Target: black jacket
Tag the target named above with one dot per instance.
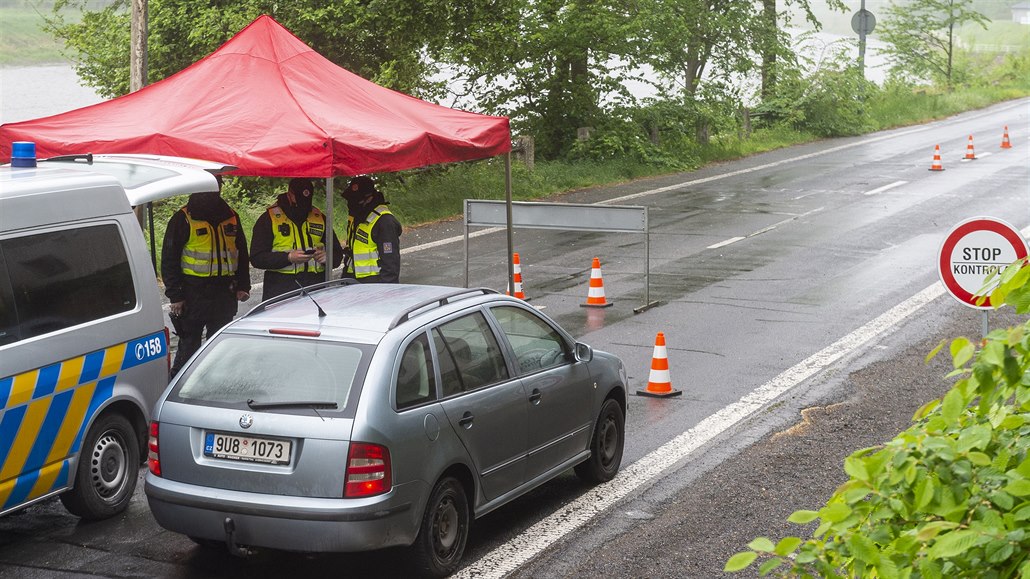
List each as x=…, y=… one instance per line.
x=262, y=256
x=205, y=297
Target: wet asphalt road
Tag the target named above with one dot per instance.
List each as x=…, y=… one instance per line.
x=818, y=256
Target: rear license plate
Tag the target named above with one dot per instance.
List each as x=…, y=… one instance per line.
x=247, y=449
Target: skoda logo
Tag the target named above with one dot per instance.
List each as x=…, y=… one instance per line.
x=246, y=421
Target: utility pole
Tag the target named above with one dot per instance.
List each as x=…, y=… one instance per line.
x=137, y=80
x=138, y=46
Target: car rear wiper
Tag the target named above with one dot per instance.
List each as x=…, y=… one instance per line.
x=314, y=404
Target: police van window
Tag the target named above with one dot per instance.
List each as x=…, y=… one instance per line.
x=69, y=277
x=8, y=319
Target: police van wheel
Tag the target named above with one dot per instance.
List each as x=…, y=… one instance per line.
x=108, y=468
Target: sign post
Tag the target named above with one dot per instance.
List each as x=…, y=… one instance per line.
x=974, y=250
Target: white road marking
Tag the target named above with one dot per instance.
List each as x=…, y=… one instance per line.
x=764, y=229
x=886, y=187
x=516, y=552
x=982, y=155
x=725, y=243
x=508, y=557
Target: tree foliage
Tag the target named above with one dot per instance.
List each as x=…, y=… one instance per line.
x=921, y=37
x=553, y=66
x=948, y=497
x=385, y=40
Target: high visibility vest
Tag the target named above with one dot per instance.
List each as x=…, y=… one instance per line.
x=210, y=252
x=287, y=236
x=366, y=253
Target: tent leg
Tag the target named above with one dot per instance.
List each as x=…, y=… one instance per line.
x=511, y=243
x=329, y=228
x=466, y=243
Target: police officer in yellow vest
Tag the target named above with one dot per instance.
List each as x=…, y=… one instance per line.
x=373, y=234
x=289, y=240
x=205, y=270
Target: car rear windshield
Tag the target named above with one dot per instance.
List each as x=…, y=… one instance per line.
x=237, y=369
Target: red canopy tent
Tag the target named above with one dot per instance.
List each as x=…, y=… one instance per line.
x=268, y=104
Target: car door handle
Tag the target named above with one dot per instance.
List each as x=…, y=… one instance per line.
x=535, y=396
x=466, y=420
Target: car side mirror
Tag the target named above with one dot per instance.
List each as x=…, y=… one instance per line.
x=584, y=353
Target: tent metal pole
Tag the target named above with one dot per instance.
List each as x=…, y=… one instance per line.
x=466, y=243
x=329, y=228
x=511, y=243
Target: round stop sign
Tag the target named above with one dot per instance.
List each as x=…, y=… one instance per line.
x=972, y=251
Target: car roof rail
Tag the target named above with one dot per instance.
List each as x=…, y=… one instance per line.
x=299, y=291
x=456, y=295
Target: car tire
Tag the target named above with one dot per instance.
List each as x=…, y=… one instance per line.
x=605, y=445
x=107, y=470
x=444, y=531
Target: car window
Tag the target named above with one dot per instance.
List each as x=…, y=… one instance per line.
x=65, y=278
x=235, y=369
x=537, y=345
x=8, y=317
x=468, y=353
x=416, y=380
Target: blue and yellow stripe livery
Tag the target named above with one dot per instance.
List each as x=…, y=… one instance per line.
x=44, y=414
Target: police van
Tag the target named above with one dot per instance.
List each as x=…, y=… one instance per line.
x=83, y=342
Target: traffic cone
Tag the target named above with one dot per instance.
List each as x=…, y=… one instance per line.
x=517, y=277
x=970, y=155
x=659, y=384
x=595, y=295
x=937, y=166
x=1005, y=144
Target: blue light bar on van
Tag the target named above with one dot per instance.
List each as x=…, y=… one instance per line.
x=23, y=154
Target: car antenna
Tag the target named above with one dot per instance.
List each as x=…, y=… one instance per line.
x=321, y=312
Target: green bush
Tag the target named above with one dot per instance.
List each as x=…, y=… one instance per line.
x=948, y=497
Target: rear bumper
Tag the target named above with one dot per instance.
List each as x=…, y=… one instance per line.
x=286, y=523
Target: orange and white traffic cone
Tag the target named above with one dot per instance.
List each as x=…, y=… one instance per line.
x=970, y=155
x=936, y=165
x=1005, y=143
x=517, y=277
x=659, y=382
x=595, y=295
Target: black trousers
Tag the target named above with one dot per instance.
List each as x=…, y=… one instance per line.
x=191, y=334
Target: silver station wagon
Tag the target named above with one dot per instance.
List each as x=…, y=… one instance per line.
x=350, y=417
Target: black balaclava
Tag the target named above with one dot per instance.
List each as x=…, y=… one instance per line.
x=362, y=197
x=208, y=207
x=303, y=190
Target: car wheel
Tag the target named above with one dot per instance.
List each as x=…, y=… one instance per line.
x=108, y=467
x=605, y=446
x=444, y=531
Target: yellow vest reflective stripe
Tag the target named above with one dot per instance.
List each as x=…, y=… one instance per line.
x=210, y=253
x=366, y=253
x=287, y=236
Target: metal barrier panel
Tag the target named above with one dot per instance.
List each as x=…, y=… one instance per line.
x=562, y=216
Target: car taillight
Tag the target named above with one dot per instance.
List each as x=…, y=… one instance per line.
x=368, y=470
x=154, y=456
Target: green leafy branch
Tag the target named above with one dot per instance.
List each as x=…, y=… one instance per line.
x=949, y=496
